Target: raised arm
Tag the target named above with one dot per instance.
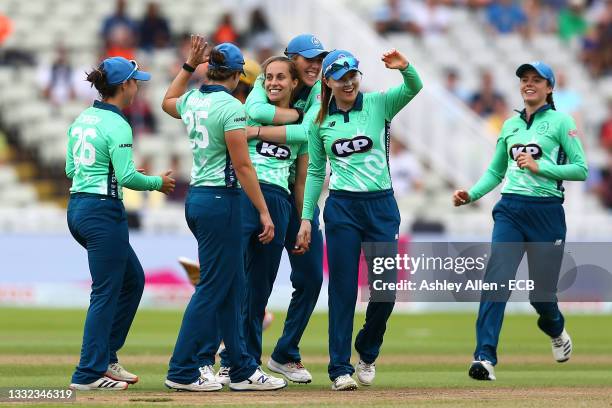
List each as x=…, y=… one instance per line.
x=197, y=55
x=398, y=97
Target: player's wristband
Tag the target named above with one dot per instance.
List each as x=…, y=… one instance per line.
x=300, y=115
x=188, y=67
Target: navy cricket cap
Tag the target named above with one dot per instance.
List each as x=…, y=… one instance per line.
x=339, y=62
x=234, y=60
x=118, y=70
x=541, y=68
x=306, y=45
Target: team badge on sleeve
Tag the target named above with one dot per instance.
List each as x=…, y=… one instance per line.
x=573, y=133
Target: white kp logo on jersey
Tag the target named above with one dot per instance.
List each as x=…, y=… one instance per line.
x=347, y=147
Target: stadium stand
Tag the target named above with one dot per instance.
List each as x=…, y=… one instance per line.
x=451, y=142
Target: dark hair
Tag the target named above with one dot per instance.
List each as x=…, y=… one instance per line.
x=97, y=77
x=550, y=101
x=218, y=74
x=326, y=94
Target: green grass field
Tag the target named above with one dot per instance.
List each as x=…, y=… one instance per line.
x=423, y=362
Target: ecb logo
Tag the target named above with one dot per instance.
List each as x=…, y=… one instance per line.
x=271, y=150
x=316, y=41
x=533, y=149
x=347, y=147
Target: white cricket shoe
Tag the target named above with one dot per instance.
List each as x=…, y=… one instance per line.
x=208, y=373
x=259, y=381
x=482, y=370
x=200, y=385
x=222, y=375
x=116, y=372
x=562, y=347
x=293, y=371
x=365, y=372
x=101, y=384
x=344, y=383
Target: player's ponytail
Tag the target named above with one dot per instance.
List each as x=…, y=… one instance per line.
x=326, y=94
x=97, y=78
x=218, y=73
x=550, y=101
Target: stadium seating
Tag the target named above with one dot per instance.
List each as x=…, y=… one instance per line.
x=456, y=145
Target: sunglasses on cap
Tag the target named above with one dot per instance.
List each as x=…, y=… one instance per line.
x=345, y=63
x=128, y=75
x=133, y=70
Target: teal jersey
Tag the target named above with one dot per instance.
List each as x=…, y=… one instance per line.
x=293, y=169
x=261, y=112
x=552, y=139
x=273, y=161
x=260, y=109
x=208, y=113
x=99, y=154
x=356, y=142
x=308, y=99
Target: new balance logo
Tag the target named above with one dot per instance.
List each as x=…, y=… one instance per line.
x=332, y=123
x=348, y=147
x=271, y=150
x=262, y=379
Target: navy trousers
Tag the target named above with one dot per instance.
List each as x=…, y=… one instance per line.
x=350, y=220
x=261, y=263
x=540, y=223
x=99, y=224
x=306, y=279
x=214, y=217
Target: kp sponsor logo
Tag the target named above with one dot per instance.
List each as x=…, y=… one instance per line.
x=271, y=150
x=533, y=149
x=348, y=147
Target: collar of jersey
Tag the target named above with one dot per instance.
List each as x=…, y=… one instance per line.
x=109, y=107
x=523, y=114
x=303, y=94
x=357, y=106
x=214, y=88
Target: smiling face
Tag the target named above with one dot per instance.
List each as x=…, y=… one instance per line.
x=309, y=69
x=534, y=88
x=279, y=83
x=345, y=89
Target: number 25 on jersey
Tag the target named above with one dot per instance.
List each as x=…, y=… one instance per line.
x=196, y=128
